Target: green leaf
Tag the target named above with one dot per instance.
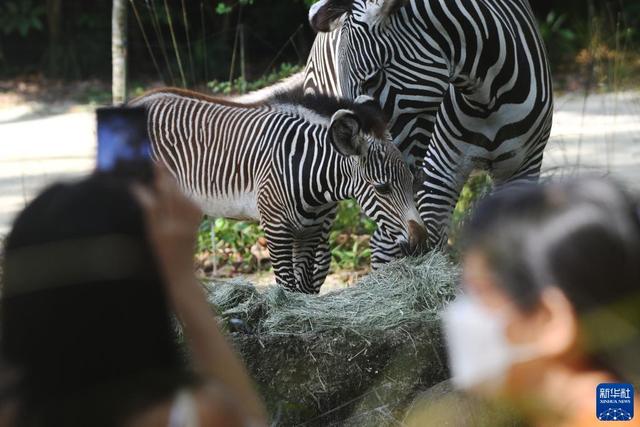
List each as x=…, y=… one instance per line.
x=36, y=24
x=222, y=8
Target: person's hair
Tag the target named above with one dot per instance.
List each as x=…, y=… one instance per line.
x=83, y=314
x=583, y=237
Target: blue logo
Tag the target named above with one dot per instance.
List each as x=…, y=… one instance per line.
x=614, y=402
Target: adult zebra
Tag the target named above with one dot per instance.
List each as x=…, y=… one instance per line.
x=286, y=166
x=465, y=83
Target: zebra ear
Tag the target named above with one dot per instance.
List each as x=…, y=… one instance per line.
x=344, y=131
x=380, y=11
x=324, y=16
x=419, y=178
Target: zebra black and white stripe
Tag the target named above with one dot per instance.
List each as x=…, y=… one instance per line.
x=466, y=85
x=287, y=167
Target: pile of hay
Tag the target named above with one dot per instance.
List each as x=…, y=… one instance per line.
x=351, y=357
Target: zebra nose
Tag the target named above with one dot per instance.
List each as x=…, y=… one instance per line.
x=417, y=239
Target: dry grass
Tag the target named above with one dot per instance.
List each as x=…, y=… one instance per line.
x=355, y=356
x=402, y=292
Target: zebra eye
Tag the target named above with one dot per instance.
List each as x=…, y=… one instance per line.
x=383, y=188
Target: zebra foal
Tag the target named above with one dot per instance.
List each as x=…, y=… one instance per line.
x=286, y=165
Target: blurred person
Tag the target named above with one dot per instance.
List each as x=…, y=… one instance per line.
x=90, y=273
x=550, y=306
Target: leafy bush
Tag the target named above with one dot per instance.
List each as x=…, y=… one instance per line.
x=478, y=186
x=240, y=247
x=596, y=47
x=349, y=238
x=21, y=17
x=239, y=85
x=232, y=246
x=224, y=8
x=559, y=38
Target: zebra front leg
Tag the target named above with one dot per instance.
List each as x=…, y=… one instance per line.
x=383, y=249
x=323, y=251
x=444, y=175
x=280, y=243
x=306, y=246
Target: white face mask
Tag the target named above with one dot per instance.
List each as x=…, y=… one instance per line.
x=479, y=353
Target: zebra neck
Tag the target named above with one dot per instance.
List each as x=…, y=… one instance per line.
x=341, y=178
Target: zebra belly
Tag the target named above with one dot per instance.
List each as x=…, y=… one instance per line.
x=241, y=207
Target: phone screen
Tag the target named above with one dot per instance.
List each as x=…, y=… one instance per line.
x=124, y=148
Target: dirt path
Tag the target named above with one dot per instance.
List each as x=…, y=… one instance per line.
x=41, y=144
x=599, y=134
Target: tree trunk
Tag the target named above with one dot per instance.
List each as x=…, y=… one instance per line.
x=55, y=56
x=119, y=51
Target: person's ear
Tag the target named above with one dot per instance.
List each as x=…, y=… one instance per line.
x=325, y=15
x=344, y=131
x=558, y=331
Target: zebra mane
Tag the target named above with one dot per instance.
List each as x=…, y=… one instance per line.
x=230, y=102
x=267, y=93
x=372, y=119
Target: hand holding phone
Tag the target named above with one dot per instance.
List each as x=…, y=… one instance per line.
x=124, y=149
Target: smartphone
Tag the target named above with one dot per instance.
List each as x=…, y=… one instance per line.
x=124, y=148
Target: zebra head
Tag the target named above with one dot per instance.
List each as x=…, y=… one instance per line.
x=364, y=45
x=382, y=183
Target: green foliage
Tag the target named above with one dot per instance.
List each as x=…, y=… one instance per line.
x=239, y=85
x=349, y=238
x=560, y=39
x=236, y=242
x=223, y=8
x=349, y=219
x=233, y=239
x=595, y=47
x=478, y=186
x=21, y=16
x=351, y=253
x=553, y=29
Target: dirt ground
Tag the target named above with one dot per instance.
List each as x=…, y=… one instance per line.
x=339, y=280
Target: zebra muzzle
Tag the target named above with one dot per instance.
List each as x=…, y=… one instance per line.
x=417, y=241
